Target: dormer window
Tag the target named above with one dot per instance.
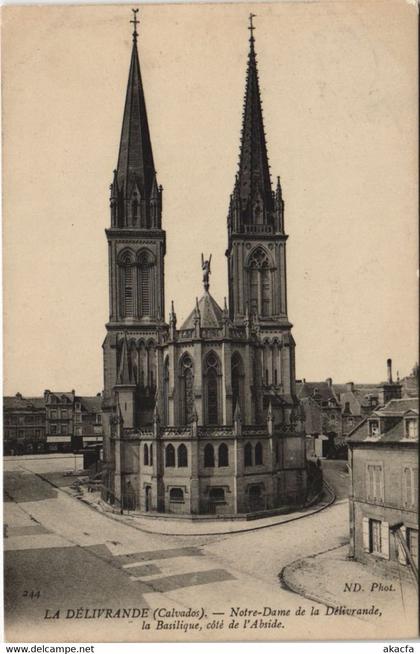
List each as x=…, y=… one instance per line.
x=374, y=428
x=411, y=430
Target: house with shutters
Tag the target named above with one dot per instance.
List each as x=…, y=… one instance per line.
x=383, y=459
x=199, y=417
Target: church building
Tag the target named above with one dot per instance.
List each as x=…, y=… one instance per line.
x=199, y=417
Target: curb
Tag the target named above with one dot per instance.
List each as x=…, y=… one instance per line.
x=218, y=533
x=123, y=520
x=291, y=587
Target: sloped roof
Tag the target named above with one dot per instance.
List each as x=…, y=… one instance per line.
x=399, y=407
x=13, y=403
x=323, y=390
x=211, y=315
x=393, y=431
x=92, y=404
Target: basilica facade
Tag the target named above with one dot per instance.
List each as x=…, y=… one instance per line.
x=199, y=417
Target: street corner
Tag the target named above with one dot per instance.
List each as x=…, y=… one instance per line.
x=350, y=588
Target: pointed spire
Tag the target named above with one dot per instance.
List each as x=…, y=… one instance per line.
x=124, y=371
x=225, y=307
x=172, y=314
x=197, y=309
x=135, y=159
x=254, y=183
x=237, y=415
x=172, y=321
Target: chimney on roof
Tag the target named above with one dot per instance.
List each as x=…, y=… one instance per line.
x=19, y=396
x=350, y=386
x=389, y=370
x=329, y=382
x=303, y=380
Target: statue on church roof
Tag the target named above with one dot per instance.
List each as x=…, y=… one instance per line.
x=205, y=265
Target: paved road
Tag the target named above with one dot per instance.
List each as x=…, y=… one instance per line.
x=62, y=556
x=337, y=475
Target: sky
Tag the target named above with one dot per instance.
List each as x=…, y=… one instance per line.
x=339, y=90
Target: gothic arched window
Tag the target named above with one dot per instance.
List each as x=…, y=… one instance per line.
x=258, y=454
x=209, y=456
x=182, y=456
x=170, y=456
x=145, y=455
x=248, y=455
x=145, y=274
x=223, y=455
x=126, y=282
x=211, y=376
x=186, y=390
x=237, y=373
x=151, y=454
x=259, y=274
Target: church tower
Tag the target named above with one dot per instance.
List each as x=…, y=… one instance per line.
x=136, y=250
x=257, y=245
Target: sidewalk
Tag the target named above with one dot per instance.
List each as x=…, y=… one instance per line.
x=165, y=526
x=323, y=578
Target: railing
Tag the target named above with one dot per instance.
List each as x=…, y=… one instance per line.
x=209, y=332
x=254, y=429
x=184, y=432
x=214, y=432
x=186, y=333
x=258, y=229
x=137, y=433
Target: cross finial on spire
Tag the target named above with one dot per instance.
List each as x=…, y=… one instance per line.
x=135, y=22
x=251, y=26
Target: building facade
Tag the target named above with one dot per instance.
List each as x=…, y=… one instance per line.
x=56, y=422
x=202, y=417
x=332, y=411
x=72, y=421
x=23, y=425
x=383, y=458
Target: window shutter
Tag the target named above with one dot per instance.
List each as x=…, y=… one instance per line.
x=402, y=558
x=381, y=484
x=404, y=487
x=365, y=527
x=385, y=539
x=415, y=486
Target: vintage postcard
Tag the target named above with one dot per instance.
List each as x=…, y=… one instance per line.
x=199, y=446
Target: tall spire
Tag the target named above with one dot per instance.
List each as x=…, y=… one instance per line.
x=135, y=159
x=253, y=183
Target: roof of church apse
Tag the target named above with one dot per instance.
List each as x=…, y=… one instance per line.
x=211, y=315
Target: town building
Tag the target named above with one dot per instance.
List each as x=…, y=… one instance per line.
x=72, y=421
x=23, y=425
x=56, y=422
x=202, y=417
x=383, y=459
x=331, y=411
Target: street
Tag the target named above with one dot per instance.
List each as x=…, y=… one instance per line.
x=64, y=560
